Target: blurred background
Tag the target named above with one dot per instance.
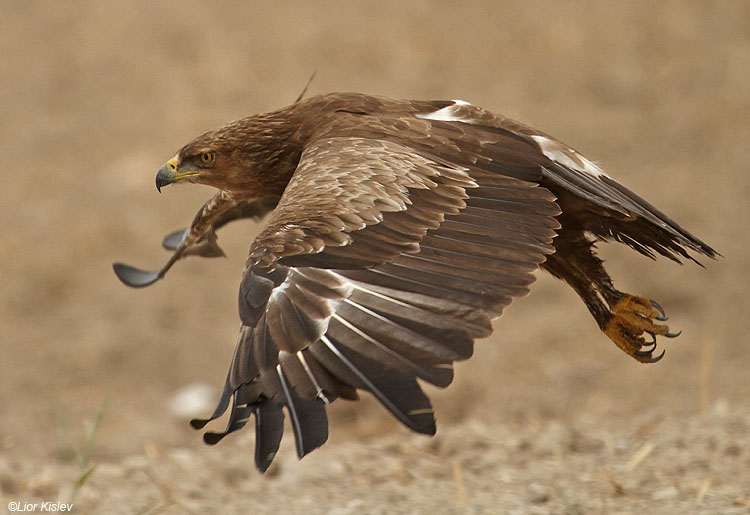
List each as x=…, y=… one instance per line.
x=95, y=96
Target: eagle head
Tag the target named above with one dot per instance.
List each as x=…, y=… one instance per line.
x=253, y=155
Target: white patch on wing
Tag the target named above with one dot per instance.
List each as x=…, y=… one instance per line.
x=566, y=156
x=447, y=114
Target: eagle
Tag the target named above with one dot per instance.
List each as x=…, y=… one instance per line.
x=397, y=231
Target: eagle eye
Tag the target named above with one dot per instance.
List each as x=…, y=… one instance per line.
x=207, y=158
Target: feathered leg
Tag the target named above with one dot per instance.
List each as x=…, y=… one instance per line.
x=624, y=318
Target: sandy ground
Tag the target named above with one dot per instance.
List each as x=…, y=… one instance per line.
x=548, y=417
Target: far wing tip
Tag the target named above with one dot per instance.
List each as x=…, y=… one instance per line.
x=135, y=277
x=173, y=240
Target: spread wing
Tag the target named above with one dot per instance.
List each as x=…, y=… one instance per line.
x=200, y=238
x=379, y=266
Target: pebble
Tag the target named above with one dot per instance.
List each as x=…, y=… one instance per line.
x=193, y=400
x=9, y=484
x=45, y=485
x=537, y=494
x=669, y=492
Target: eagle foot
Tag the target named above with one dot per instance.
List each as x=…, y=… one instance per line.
x=633, y=317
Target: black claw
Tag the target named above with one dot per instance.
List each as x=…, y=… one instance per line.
x=648, y=347
x=662, y=315
x=657, y=358
x=673, y=335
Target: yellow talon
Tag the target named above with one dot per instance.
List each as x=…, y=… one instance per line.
x=632, y=317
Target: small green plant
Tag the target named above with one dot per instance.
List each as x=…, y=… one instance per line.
x=83, y=453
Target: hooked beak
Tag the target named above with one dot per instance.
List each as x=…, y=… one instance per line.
x=168, y=174
x=164, y=177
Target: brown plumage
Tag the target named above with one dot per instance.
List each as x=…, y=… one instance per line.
x=398, y=231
